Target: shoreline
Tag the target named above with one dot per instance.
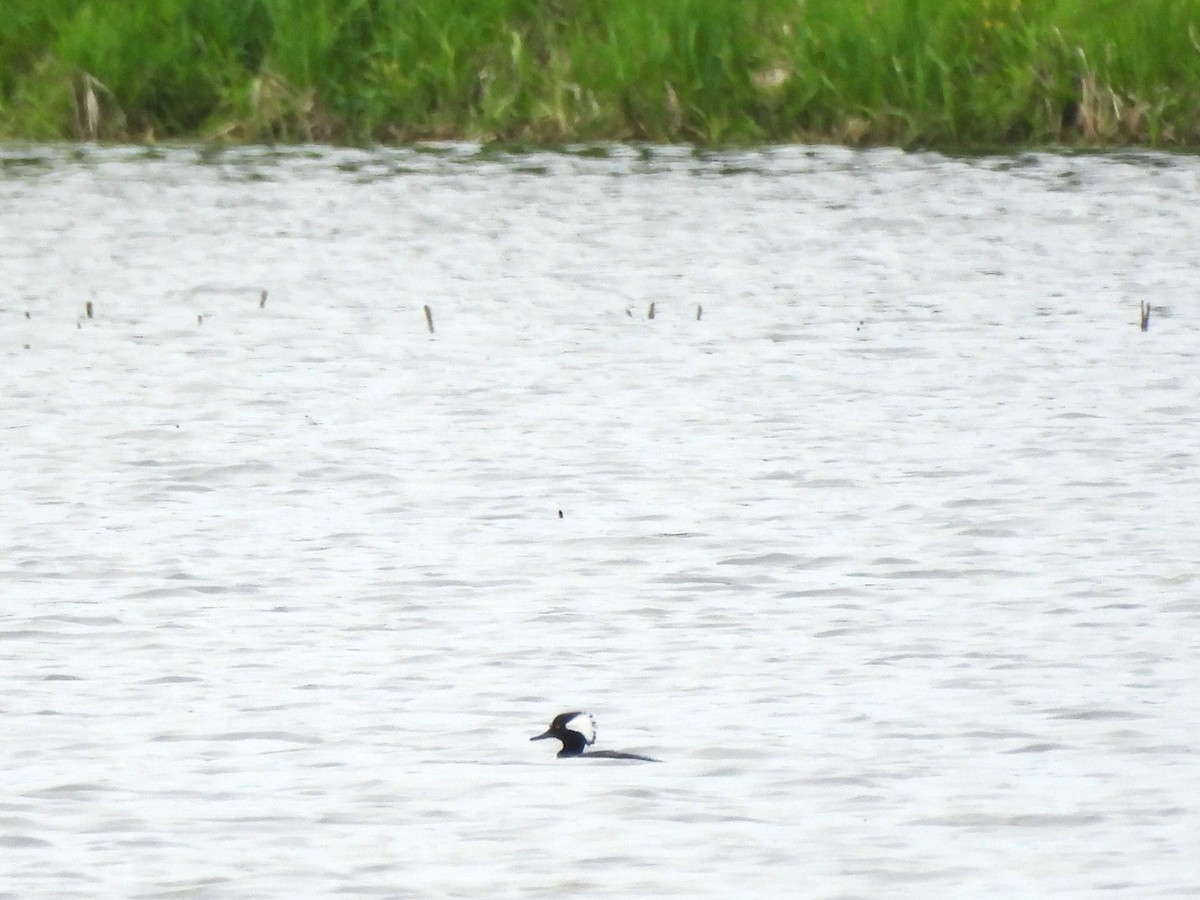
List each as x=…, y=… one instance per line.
x=949, y=75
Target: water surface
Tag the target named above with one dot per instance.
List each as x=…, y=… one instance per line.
x=881, y=532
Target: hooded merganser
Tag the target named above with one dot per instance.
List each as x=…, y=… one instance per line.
x=577, y=731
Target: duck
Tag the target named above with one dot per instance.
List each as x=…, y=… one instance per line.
x=577, y=731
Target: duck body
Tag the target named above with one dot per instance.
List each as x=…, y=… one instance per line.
x=577, y=731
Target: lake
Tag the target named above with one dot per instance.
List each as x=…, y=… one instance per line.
x=881, y=531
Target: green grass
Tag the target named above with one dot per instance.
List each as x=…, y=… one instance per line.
x=916, y=73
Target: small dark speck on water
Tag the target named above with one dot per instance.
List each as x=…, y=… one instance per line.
x=560, y=513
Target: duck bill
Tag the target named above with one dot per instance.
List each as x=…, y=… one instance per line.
x=542, y=737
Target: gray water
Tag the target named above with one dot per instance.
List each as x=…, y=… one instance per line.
x=890, y=553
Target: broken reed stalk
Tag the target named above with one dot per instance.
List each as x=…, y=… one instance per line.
x=1145, y=316
x=87, y=106
x=429, y=318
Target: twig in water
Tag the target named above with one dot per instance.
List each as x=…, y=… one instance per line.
x=429, y=318
x=1145, y=316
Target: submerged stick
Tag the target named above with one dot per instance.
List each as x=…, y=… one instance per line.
x=1145, y=316
x=429, y=318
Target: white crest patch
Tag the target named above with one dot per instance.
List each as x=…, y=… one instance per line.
x=585, y=725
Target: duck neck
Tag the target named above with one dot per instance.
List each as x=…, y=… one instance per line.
x=573, y=743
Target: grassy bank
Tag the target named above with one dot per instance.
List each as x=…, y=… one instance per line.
x=937, y=73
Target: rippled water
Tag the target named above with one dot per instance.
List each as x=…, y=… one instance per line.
x=891, y=554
